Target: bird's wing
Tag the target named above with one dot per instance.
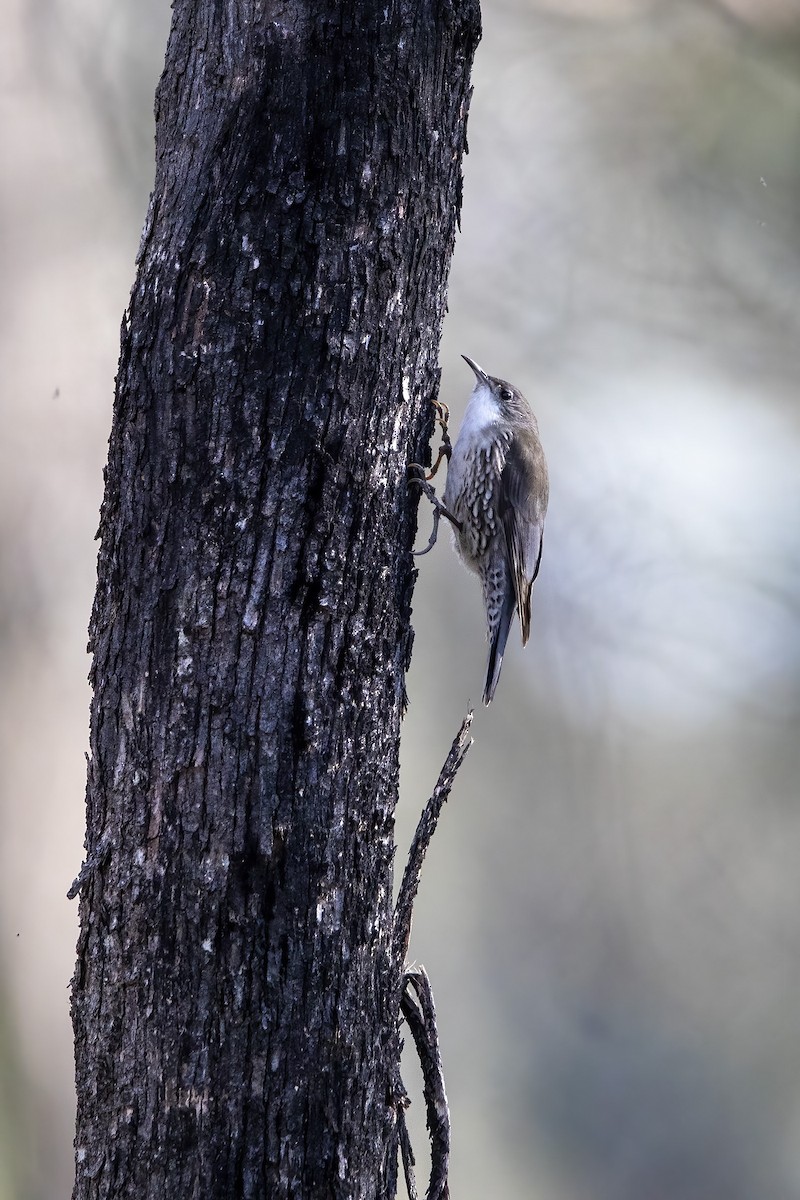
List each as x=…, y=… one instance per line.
x=522, y=505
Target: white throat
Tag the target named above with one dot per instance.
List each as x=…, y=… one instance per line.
x=483, y=411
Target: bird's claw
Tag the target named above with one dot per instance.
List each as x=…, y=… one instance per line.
x=446, y=448
x=417, y=475
x=442, y=414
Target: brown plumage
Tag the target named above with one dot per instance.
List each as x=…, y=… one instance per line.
x=497, y=488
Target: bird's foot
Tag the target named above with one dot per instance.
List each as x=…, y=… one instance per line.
x=446, y=448
x=417, y=475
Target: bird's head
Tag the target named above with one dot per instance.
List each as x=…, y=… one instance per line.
x=512, y=405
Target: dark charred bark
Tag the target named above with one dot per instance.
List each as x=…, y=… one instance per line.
x=236, y=996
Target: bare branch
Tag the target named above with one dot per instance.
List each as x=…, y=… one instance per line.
x=89, y=866
x=422, y=838
x=420, y=1014
x=407, y=1154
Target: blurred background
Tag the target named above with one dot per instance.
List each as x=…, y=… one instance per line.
x=610, y=912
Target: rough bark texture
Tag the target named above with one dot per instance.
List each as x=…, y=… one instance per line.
x=235, y=1000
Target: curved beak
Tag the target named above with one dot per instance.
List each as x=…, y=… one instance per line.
x=480, y=374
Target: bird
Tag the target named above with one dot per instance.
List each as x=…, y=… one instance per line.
x=496, y=497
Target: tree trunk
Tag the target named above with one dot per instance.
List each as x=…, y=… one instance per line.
x=235, y=1001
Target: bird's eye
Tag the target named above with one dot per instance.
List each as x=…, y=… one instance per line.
x=505, y=394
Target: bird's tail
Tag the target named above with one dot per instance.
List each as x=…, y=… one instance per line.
x=498, y=636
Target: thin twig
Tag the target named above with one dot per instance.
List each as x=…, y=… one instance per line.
x=420, y=1015
x=422, y=838
x=88, y=868
x=407, y=1154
